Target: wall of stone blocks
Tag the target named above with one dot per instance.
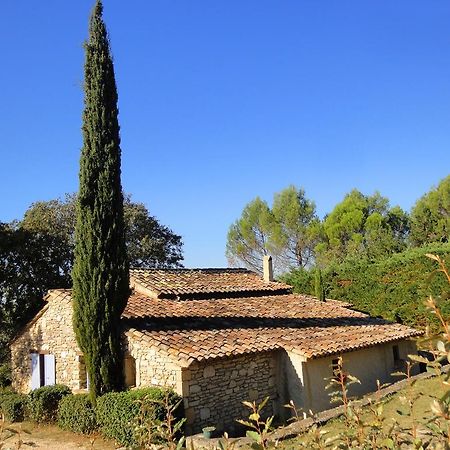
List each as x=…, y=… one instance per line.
x=51, y=333
x=214, y=390
x=153, y=366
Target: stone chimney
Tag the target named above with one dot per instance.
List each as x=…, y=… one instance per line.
x=267, y=268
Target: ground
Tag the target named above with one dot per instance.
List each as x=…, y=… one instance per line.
x=48, y=437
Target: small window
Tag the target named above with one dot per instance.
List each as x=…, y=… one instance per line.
x=130, y=371
x=396, y=353
x=42, y=370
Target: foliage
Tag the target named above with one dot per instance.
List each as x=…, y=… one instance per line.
x=430, y=216
x=362, y=226
x=288, y=231
x=152, y=427
x=76, y=413
x=117, y=412
x=5, y=375
x=249, y=237
x=319, y=290
x=149, y=243
x=100, y=272
x=392, y=287
x=30, y=263
x=258, y=427
x=295, y=228
x=13, y=406
x=44, y=402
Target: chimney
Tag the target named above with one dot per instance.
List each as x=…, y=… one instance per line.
x=267, y=268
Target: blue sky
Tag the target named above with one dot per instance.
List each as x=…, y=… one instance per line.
x=221, y=101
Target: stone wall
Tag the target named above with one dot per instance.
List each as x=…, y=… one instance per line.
x=153, y=366
x=50, y=333
x=214, y=390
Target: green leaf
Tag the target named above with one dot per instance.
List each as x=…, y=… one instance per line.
x=254, y=436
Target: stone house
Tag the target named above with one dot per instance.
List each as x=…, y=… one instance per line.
x=218, y=337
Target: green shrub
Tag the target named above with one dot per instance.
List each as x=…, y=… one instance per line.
x=44, y=402
x=5, y=375
x=14, y=406
x=5, y=392
x=392, y=287
x=117, y=412
x=76, y=413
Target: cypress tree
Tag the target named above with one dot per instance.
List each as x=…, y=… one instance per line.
x=318, y=285
x=100, y=273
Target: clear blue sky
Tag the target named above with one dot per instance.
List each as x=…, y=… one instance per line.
x=221, y=101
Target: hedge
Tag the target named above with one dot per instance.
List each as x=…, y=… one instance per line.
x=5, y=375
x=44, y=401
x=13, y=406
x=76, y=413
x=118, y=412
x=394, y=288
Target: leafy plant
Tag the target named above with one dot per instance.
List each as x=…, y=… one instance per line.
x=118, y=412
x=14, y=406
x=259, y=428
x=76, y=413
x=153, y=428
x=44, y=402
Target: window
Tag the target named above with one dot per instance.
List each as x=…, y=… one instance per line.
x=398, y=362
x=130, y=371
x=42, y=370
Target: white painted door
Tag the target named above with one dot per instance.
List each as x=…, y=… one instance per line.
x=49, y=370
x=35, y=371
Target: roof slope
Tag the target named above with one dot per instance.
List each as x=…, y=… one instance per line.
x=183, y=284
x=204, y=329
x=233, y=311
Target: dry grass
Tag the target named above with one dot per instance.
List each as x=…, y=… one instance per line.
x=27, y=435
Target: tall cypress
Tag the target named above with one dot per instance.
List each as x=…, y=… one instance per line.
x=318, y=285
x=100, y=273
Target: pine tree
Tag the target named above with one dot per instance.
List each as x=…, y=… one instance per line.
x=318, y=285
x=100, y=273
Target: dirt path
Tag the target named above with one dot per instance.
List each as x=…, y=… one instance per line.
x=28, y=436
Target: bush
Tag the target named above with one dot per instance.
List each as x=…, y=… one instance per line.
x=76, y=413
x=44, y=402
x=13, y=406
x=117, y=412
x=392, y=287
x=5, y=375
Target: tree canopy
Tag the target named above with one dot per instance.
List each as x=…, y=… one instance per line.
x=362, y=226
x=149, y=243
x=100, y=271
x=287, y=231
x=430, y=216
x=249, y=238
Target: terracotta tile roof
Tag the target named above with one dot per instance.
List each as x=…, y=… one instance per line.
x=197, y=330
x=204, y=329
x=201, y=283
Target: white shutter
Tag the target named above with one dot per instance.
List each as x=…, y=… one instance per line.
x=49, y=370
x=35, y=372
